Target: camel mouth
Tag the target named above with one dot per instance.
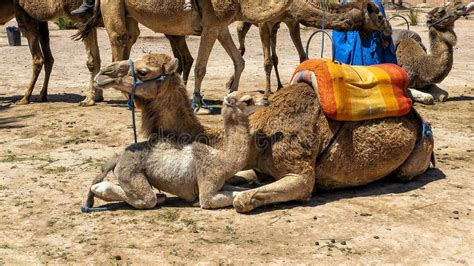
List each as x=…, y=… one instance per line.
x=103, y=81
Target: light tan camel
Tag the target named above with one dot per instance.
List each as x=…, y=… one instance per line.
x=424, y=69
x=175, y=164
x=292, y=140
x=210, y=20
x=6, y=11
x=357, y=15
x=32, y=17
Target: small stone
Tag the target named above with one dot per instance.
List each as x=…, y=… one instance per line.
x=315, y=218
x=333, y=241
x=365, y=214
x=376, y=237
x=456, y=212
x=343, y=243
x=117, y=257
x=316, y=243
x=456, y=218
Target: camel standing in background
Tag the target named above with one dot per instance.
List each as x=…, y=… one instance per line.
x=292, y=140
x=209, y=19
x=32, y=17
x=359, y=15
x=424, y=69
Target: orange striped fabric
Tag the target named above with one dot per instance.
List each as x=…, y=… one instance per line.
x=356, y=93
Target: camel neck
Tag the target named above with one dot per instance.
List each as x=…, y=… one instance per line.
x=170, y=112
x=441, y=53
x=236, y=142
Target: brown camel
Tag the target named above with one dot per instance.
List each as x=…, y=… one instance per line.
x=210, y=20
x=6, y=11
x=32, y=17
x=292, y=140
x=424, y=69
x=188, y=169
x=358, y=15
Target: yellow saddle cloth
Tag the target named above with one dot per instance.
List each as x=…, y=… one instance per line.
x=355, y=93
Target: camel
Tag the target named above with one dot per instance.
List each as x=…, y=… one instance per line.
x=32, y=18
x=292, y=140
x=424, y=69
x=210, y=20
x=358, y=15
x=174, y=164
x=6, y=11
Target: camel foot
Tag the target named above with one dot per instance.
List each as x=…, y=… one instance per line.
x=87, y=102
x=42, y=99
x=99, y=99
x=22, y=101
x=243, y=202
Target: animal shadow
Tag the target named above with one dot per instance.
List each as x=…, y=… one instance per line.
x=386, y=185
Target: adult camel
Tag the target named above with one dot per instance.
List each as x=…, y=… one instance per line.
x=293, y=141
x=359, y=15
x=209, y=19
x=32, y=17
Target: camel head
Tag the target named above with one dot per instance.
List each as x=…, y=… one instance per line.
x=245, y=103
x=152, y=70
x=373, y=19
x=443, y=18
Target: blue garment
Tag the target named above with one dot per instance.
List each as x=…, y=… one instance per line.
x=355, y=48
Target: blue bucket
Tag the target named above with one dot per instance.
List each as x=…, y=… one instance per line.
x=14, y=36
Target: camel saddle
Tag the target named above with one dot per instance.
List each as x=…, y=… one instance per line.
x=356, y=93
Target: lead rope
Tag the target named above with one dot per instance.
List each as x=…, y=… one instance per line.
x=131, y=99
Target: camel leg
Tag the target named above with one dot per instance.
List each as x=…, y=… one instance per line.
x=275, y=60
x=265, y=36
x=295, y=34
x=30, y=30
x=181, y=51
x=242, y=30
x=108, y=192
x=288, y=188
x=93, y=64
x=438, y=94
x=418, y=162
x=243, y=177
x=48, y=59
x=133, y=34
x=138, y=191
x=208, y=39
x=116, y=26
x=421, y=97
x=211, y=198
x=226, y=41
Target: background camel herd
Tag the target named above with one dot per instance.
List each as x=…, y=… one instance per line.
x=117, y=133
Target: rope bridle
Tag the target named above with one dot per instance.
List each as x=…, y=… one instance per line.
x=458, y=12
x=136, y=82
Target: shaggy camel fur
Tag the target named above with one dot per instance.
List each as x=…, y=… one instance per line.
x=6, y=11
x=210, y=20
x=358, y=15
x=425, y=70
x=174, y=163
x=293, y=141
x=33, y=17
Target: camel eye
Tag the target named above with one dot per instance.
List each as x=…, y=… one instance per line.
x=248, y=102
x=142, y=72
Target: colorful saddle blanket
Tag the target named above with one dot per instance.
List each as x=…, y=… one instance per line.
x=356, y=93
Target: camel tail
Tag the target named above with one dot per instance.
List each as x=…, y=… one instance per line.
x=86, y=28
x=106, y=169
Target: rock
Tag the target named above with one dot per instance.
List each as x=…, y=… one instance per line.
x=376, y=237
x=117, y=257
x=343, y=243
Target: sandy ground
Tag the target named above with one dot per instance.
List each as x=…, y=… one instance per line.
x=50, y=152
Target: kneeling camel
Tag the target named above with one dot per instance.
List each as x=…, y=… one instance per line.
x=292, y=140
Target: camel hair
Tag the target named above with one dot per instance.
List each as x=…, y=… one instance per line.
x=357, y=15
x=6, y=11
x=210, y=20
x=425, y=69
x=174, y=163
x=292, y=140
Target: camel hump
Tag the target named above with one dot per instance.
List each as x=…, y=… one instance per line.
x=256, y=11
x=223, y=7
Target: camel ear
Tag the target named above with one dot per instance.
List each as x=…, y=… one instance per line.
x=171, y=66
